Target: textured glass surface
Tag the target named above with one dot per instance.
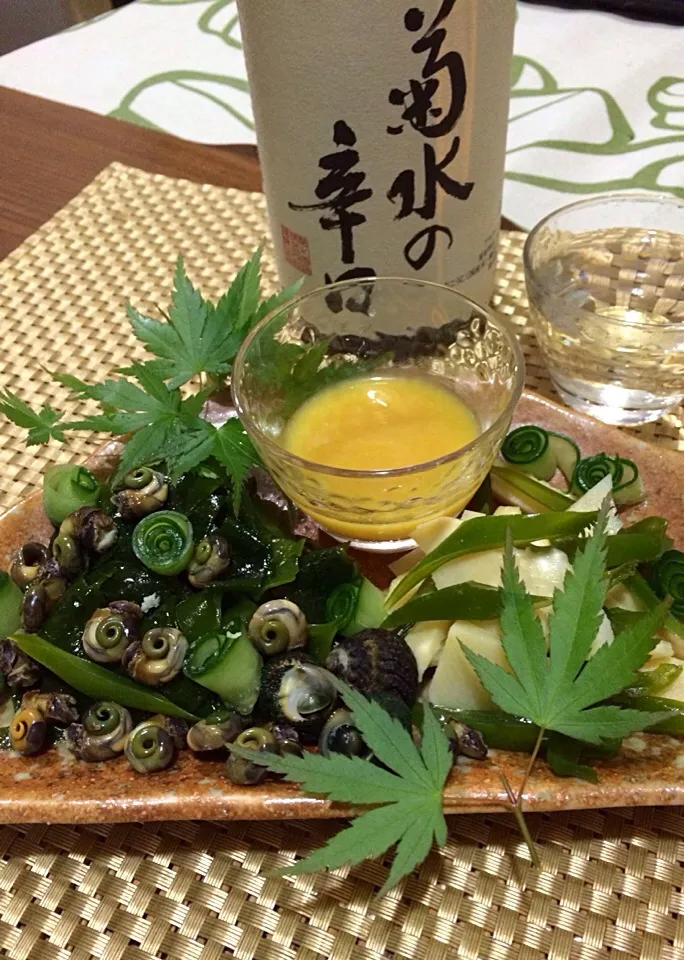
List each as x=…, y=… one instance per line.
x=379, y=327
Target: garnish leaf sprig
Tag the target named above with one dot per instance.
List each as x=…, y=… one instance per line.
x=406, y=791
x=196, y=341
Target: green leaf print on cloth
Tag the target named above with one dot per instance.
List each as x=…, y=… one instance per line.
x=620, y=161
x=221, y=20
x=666, y=99
x=211, y=88
x=147, y=103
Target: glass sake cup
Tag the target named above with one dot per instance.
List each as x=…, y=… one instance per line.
x=382, y=326
x=605, y=279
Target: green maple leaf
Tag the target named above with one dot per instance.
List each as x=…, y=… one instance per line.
x=41, y=425
x=300, y=370
x=127, y=406
x=198, y=337
x=165, y=428
x=241, y=308
x=563, y=689
x=310, y=374
x=188, y=443
x=179, y=341
x=406, y=791
x=233, y=448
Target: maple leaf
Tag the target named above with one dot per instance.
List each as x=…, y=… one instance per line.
x=407, y=789
x=564, y=689
x=145, y=405
x=41, y=425
x=233, y=448
x=199, y=337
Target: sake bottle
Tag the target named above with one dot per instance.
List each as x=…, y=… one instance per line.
x=381, y=128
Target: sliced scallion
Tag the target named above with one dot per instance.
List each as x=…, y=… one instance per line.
x=517, y=489
x=489, y=533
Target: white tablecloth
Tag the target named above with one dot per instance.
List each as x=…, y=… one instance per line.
x=597, y=100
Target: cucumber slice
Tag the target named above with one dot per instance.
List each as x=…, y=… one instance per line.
x=591, y=471
x=527, y=448
x=631, y=489
x=566, y=454
x=370, y=609
x=227, y=664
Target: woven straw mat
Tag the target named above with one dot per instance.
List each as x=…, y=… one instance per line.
x=611, y=883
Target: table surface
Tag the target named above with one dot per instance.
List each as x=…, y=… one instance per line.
x=51, y=151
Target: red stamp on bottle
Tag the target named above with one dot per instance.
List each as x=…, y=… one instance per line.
x=296, y=249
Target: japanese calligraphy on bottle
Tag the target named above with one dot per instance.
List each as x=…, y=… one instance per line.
x=381, y=128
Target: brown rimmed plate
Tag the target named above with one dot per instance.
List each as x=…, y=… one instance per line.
x=56, y=788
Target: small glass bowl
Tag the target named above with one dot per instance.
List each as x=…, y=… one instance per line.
x=391, y=325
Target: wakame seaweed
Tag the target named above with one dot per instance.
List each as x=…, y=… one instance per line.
x=320, y=572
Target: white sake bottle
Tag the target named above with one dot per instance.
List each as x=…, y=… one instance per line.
x=381, y=127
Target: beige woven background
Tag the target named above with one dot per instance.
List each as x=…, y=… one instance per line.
x=611, y=884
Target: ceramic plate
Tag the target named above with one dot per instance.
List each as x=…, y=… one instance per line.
x=56, y=788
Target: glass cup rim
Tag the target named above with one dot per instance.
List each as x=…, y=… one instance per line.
x=604, y=198
x=311, y=465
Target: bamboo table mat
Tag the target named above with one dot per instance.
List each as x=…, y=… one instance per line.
x=611, y=883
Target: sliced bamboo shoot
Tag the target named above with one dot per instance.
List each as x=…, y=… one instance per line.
x=455, y=684
x=426, y=641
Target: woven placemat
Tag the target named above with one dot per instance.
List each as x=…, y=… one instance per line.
x=611, y=884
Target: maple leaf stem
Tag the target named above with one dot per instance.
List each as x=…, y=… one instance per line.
x=507, y=787
x=517, y=801
x=526, y=835
x=530, y=765
x=515, y=807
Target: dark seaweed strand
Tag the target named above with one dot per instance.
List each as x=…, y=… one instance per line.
x=425, y=342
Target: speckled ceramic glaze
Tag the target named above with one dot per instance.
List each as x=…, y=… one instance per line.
x=56, y=788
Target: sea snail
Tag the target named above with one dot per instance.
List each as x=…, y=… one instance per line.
x=210, y=559
x=142, y=491
x=277, y=626
x=297, y=690
x=110, y=630
x=92, y=527
x=157, y=658
x=103, y=733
